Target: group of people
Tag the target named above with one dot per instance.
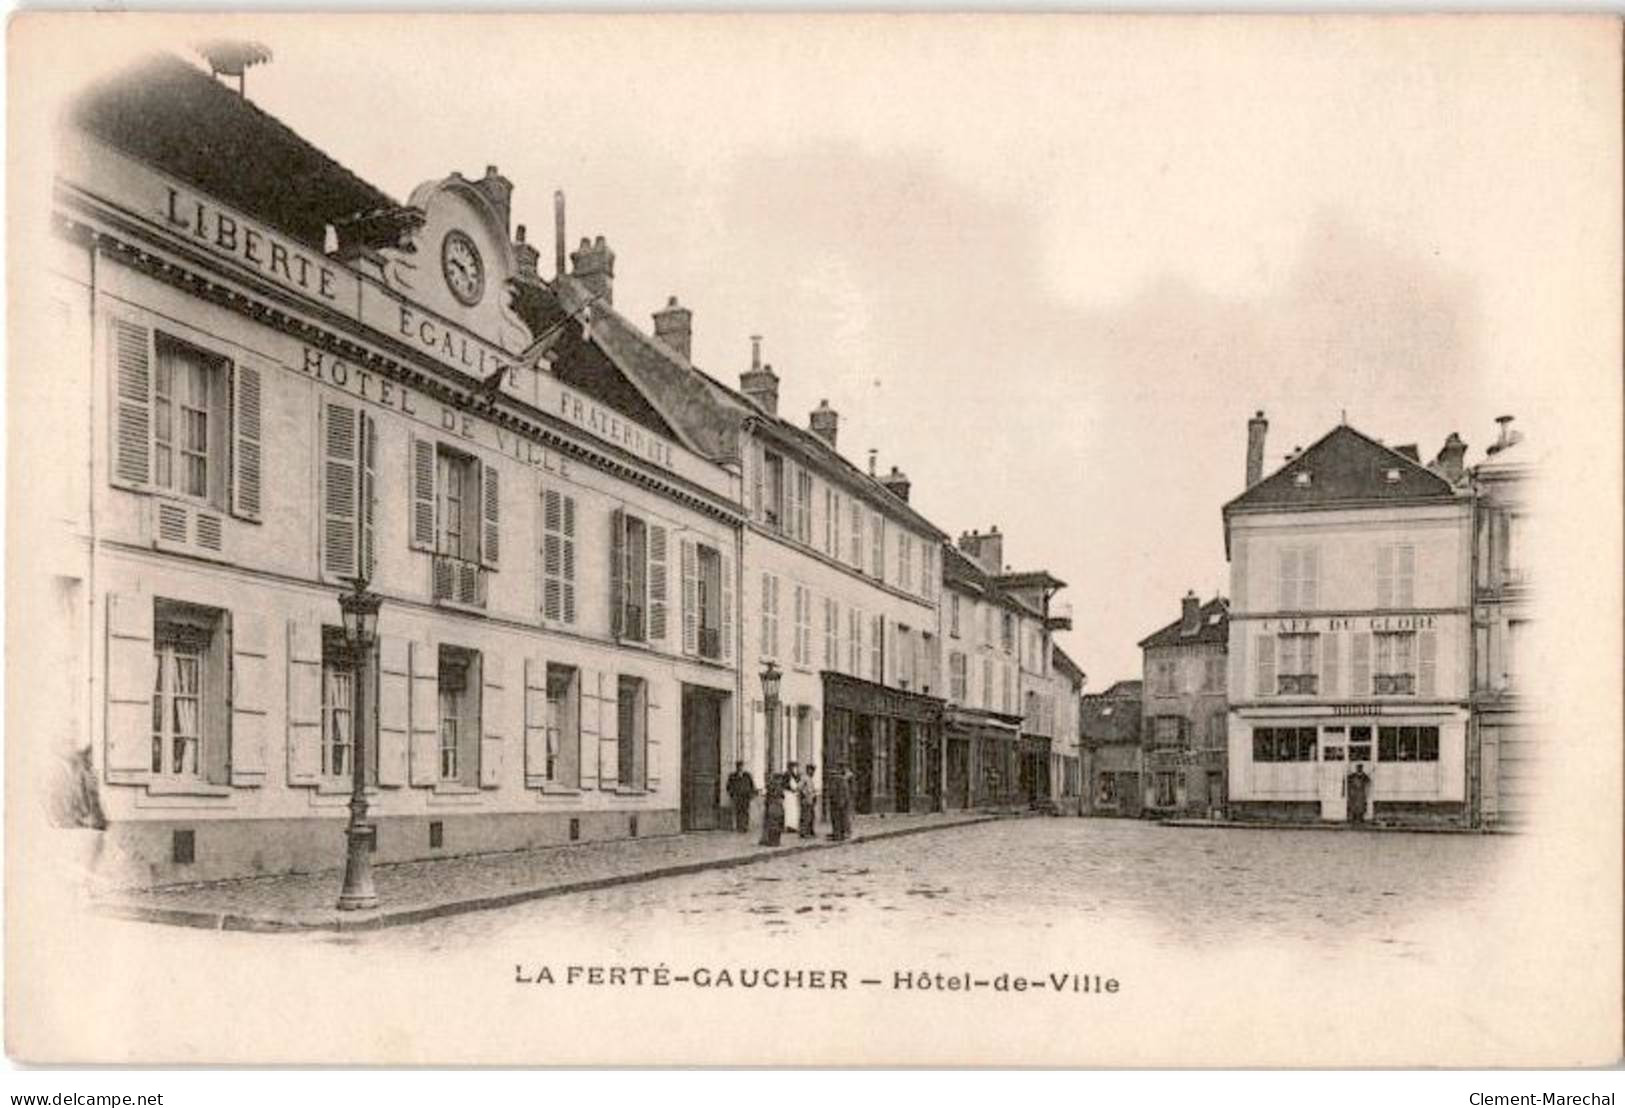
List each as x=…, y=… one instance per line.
x=800, y=786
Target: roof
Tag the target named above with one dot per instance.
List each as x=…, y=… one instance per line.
x=1111, y=716
x=1066, y=665
x=1130, y=689
x=179, y=119
x=961, y=571
x=1031, y=579
x=1212, y=628
x=1344, y=467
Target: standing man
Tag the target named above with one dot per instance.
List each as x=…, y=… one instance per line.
x=839, y=792
x=1359, y=790
x=809, y=804
x=773, y=810
x=741, y=788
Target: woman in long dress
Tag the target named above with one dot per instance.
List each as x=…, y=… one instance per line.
x=792, y=799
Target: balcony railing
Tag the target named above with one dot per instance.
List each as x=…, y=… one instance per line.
x=710, y=642
x=458, y=581
x=1297, y=684
x=1394, y=684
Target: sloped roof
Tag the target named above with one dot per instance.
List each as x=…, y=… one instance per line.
x=1212, y=627
x=179, y=119
x=1344, y=467
x=960, y=570
x=1112, y=716
x=1066, y=665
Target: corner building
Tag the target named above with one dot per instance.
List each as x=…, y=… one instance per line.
x=1350, y=634
x=290, y=379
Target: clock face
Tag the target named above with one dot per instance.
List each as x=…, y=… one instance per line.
x=465, y=272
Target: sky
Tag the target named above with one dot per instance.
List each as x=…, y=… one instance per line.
x=1047, y=266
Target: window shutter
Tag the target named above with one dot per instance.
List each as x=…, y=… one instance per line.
x=792, y=489
x=877, y=542
x=490, y=516
x=493, y=721
x=535, y=698
x=421, y=482
x=1309, y=578
x=765, y=645
x=1288, y=564
x=617, y=571
x=394, y=709
x=656, y=574
x=304, y=702
x=341, y=486
x=1266, y=665
x=758, y=467
x=245, y=445
x=609, y=733
x=1405, y=576
x=216, y=747
x=250, y=698
x=691, y=597
x=649, y=757
x=1385, y=576
x=369, y=494
x=857, y=535
x=1331, y=673
x=424, y=714
x=727, y=608
x=130, y=679
x=1427, y=646
x=132, y=407
x=586, y=749
x=569, y=564
x=552, y=555
x=1360, y=664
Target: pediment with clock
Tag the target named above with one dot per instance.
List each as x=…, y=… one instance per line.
x=456, y=258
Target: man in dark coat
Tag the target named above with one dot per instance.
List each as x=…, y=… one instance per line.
x=741, y=788
x=838, y=795
x=773, y=810
x=1359, y=790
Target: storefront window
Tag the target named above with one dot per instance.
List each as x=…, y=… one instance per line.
x=1407, y=744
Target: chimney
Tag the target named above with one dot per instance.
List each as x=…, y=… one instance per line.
x=674, y=326
x=760, y=383
x=1507, y=437
x=823, y=423
x=594, y=266
x=1448, y=463
x=1411, y=451
x=872, y=454
x=1256, y=427
x=986, y=550
x=558, y=233
x=499, y=190
x=1190, y=615
x=525, y=255
x=896, y=482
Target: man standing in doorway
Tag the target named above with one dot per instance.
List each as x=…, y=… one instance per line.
x=1359, y=790
x=741, y=788
x=809, y=804
x=839, y=792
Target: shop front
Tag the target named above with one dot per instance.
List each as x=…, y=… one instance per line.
x=983, y=759
x=891, y=741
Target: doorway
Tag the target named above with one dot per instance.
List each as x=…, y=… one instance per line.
x=863, y=765
x=958, y=793
x=701, y=771
x=902, y=767
x=1333, y=770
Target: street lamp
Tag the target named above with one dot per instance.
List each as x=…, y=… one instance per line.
x=770, y=697
x=360, y=609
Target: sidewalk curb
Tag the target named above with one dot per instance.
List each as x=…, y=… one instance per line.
x=377, y=921
x=1384, y=829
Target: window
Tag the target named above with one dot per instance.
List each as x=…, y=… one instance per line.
x=455, y=514
x=857, y=535
x=1165, y=789
x=1008, y=697
x=456, y=525
x=558, y=556
x=631, y=733
x=832, y=634
x=1213, y=675
x=563, y=725
x=349, y=490
x=1513, y=555
x=801, y=648
x=1407, y=744
x=338, y=704
x=1299, y=577
x=953, y=615
x=1396, y=575
x=1512, y=652
x=773, y=491
x=877, y=655
x=1283, y=744
x=703, y=599
x=177, y=704
x=770, y=616
x=878, y=547
x=1164, y=677
x=854, y=641
x=459, y=689
x=1216, y=731
x=1299, y=666
x=905, y=561
x=987, y=683
x=956, y=676
x=1396, y=663
x=1168, y=731
x=928, y=672
x=1007, y=632
x=903, y=657
x=928, y=570
x=803, y=505
x=1360, y=744
x=638, y=578
x=188, y=404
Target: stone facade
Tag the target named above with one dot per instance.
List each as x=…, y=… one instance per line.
x=1185, y=708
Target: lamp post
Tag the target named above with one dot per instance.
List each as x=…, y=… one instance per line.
x=360, y=609
x=770, y=699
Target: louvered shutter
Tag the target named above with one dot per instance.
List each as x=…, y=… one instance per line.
x=569, y=563
x=245, y=441
x=1405, y=576
x=552, y=555
x=691, y=596
x=791, y=491
x=1331, y=673
x=132, y=405
x=535, y=704
x=1309, y=578
x=341, y=488
x=578, y=750
x=727, y=608
x=609, y=725
x=656, y=573
x=1427, y=663
x=1385, y=576
x=758, y=467
x=304, y=702
x=1360, y=664
x=648, y=757
x=250, y=698
x=1288, y=563
x=131, y=674
x=424, y=714
x=394, y=709
x=1266, y=665
x=765, y=647
x=368, y=494
x=617, y=571
x=878, y=546
x=493, y=719
x=421, y=481
x=490, y=516
x=857, y=536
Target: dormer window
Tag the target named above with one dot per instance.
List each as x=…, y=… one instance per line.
x=1391, y=476
x=1302, y=478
